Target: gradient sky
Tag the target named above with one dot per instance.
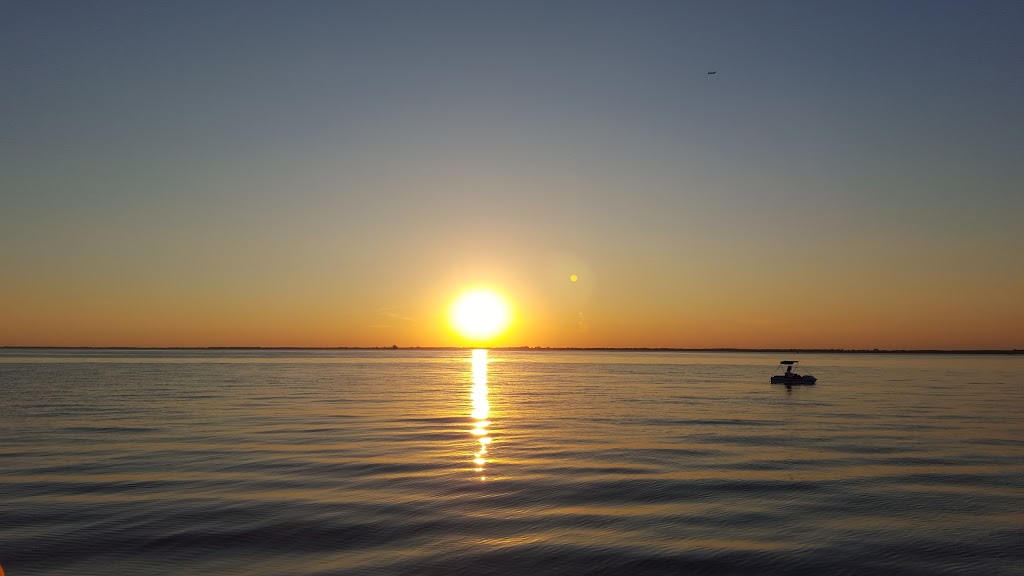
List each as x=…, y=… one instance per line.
x=334, y=173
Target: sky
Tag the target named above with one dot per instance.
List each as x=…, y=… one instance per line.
x=336, y=173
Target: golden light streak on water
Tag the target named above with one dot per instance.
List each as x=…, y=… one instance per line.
x=481, y=409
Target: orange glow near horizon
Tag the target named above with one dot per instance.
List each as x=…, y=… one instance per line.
x=631, y=310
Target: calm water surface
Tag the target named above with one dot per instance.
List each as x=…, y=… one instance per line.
x=529, y=462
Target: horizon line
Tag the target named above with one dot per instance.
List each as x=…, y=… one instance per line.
x=1013, y=351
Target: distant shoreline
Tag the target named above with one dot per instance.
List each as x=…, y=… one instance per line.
x=540, y=349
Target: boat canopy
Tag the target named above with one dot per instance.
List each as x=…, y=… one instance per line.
x=789, y=362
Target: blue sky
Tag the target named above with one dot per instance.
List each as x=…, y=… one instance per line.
x=175, y=170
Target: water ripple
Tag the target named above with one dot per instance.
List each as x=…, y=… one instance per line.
x=363, y=462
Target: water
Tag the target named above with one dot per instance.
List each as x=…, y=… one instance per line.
x=531, y=462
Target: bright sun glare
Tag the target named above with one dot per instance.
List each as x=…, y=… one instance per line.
x=480, y=315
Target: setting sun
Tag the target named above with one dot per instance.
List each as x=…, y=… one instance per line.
x=480, y=315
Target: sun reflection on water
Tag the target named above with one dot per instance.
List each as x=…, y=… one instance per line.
x=481, y=408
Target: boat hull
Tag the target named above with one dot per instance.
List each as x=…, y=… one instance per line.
x=803, y=380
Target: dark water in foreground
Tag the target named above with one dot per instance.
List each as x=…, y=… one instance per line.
x=395, y=462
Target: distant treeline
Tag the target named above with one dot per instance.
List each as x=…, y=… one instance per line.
x=534, y=348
